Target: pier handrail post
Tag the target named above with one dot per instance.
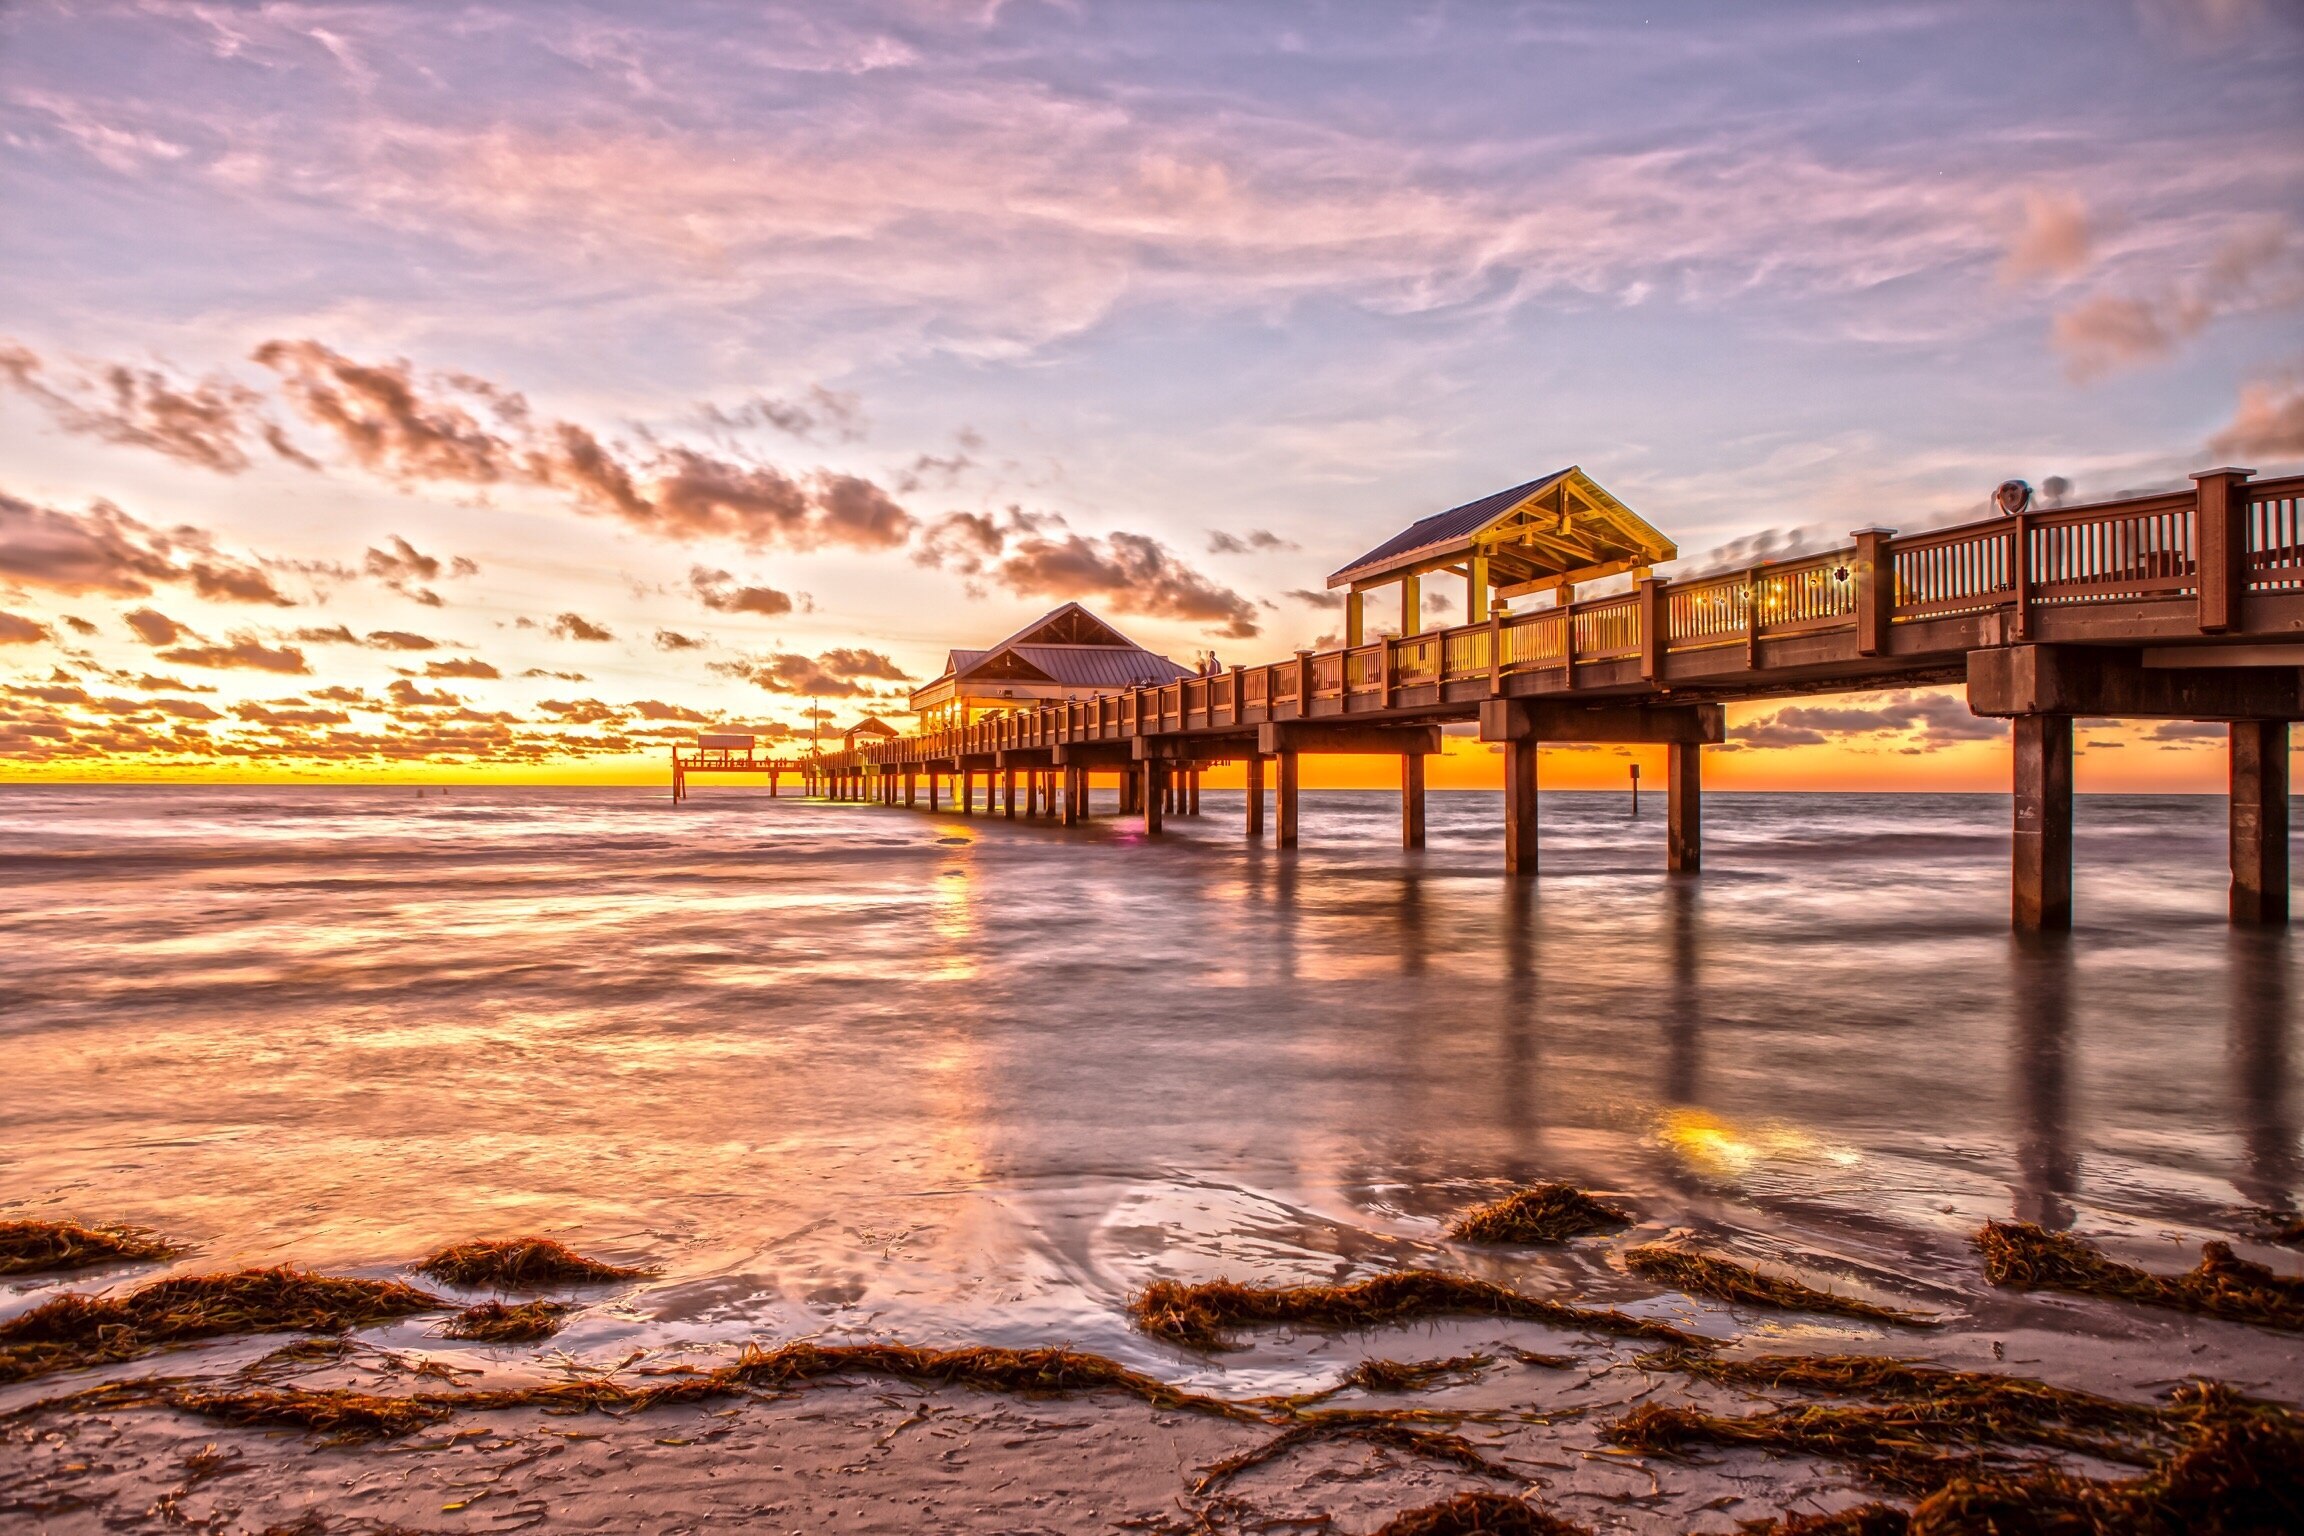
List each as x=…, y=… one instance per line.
x=1652, y=623
x=1875, y=590
x=2220, y=545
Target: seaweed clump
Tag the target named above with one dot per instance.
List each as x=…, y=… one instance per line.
x=1203, y=1315
x=2025, y=1257
x=520, y=1263
x=80, y=1330
x=1542, y=1213
x=1412, y=1375
x=1480, y=1514
x=29, y=1247
x=1707, y=1276
x=494, y=1322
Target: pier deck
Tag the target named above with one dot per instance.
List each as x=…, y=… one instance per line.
x=2185, y=606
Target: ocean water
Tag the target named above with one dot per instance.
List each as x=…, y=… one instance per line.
x=855, y=1071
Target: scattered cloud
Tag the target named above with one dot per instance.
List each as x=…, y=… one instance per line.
x=105, y=552
x=673, y=640
x=2256, y=270
x=211, y=423
x=2055, y=241
x=2269, y=423
x=1035, y=554
x=833, y=412
x=574, y=626
x=1312, y=598
x=405, y=693
x=15, y=629
x=154, y=628
x=1254, y=541
x=243, y=652
x=461, y=666
x=721, y=592
x=1926, y=721
x=404, y=569
x=836, y=674
x=460, y=430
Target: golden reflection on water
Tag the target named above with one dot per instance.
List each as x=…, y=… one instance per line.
x=952, y=901
x=1714, y=1148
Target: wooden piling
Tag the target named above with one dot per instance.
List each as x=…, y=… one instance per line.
x=2259, y=817
x=1411, y=800
x=1008, y=793
x=1285, y=797
x=2041, y=861
x=1520, y=805
x=1154, y=793
x=1684, y=807
x=1255, y=824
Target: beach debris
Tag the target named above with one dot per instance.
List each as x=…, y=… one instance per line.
x=1203, y=1315
x=1480, y=1514
x=1410, y=1376
x=1704, y=1275
x=338, y=1413
x=520, y=1263
x=1873, y=1519
x=354, y=1415
x=80, y=1330
x=1908, y=1447
x=1392, y=1431
x=496, y=1322
x=2008, y=1407
x=2025, y=1257
x=2283, y=1227
x=2232, y=1471
x=1541, y=1213
x=32, y=1247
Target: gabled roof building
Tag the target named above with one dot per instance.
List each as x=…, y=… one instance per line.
x=1068, y=653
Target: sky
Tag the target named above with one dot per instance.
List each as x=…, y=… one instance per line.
x=493, y=391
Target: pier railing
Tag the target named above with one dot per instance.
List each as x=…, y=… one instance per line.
x=2150, y=549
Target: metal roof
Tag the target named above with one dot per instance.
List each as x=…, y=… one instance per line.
x=1101, y=666
x=1455, y=523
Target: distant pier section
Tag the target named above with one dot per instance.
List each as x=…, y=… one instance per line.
x=2182, y=606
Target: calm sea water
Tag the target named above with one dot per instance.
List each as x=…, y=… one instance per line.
x=853, y=1070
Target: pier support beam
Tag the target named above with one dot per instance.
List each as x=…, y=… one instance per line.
x=1684, y=811
x=1411, y=800
x=1192, y=793
x=2041, y=862
x=1074, y=778
x=1255, y=819
x=911, y=788
x=1008, y=793
x=1520, y=806
x=1154, y=793
x=2259, y=751
x=933, y=776
x=1285, y=796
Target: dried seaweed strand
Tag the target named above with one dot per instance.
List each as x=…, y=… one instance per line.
x=1202, y=1315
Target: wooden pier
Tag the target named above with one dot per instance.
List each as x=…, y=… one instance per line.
x=2184, y=606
